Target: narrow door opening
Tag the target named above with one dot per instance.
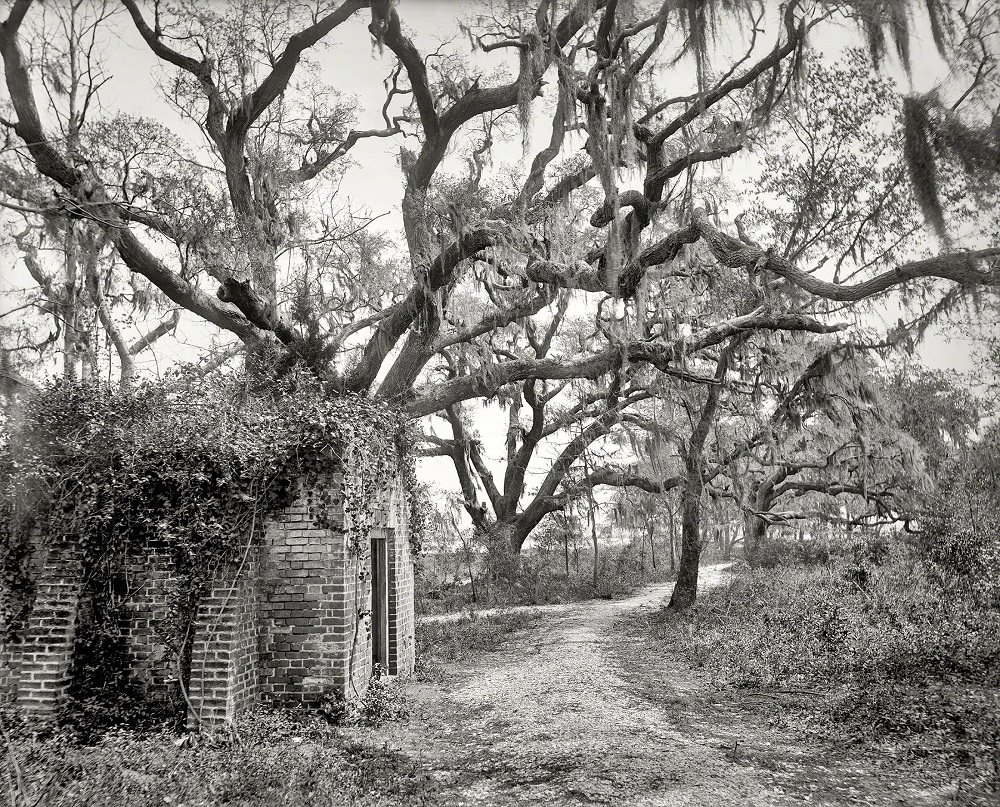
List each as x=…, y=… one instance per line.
x=380, y=602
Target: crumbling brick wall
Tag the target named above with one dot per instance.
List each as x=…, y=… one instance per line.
x=46, y=651
x=288, y=623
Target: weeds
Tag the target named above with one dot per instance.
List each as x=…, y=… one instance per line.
x=272, y=758
x=470, y=633
x=536, y=578
x=893, y=657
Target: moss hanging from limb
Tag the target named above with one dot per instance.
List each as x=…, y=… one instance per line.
x=532, y=65
x=918, y=151
x=597, y=145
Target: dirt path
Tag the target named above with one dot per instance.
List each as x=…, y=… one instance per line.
x=584, y=710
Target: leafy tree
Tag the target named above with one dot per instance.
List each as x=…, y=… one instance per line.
x=243, y=88
x=676, y=293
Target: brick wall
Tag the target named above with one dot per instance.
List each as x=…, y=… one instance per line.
x=402, y=619
x=148, y=625
x=303, y=626
x=288, y=624
x=357, y=652
x=47, y=650
x=11, y=649
x=224, y=656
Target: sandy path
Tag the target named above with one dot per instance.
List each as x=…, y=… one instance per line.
x=581, y=710
x=553, y=721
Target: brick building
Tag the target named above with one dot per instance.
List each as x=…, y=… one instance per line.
x=302, y=616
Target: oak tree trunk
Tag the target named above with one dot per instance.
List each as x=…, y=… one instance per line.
x=754, y=538
x=652, y=547
x=686, y=587
x=673, y=546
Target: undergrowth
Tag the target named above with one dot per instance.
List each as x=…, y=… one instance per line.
x=539, y=578
x=272, y=758
x=457, y=638
x=885, y=653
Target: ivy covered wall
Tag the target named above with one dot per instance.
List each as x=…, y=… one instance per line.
x=223, y=537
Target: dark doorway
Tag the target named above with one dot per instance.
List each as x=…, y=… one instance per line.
x=380, y=602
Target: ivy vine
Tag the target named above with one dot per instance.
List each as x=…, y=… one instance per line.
x=192, y=464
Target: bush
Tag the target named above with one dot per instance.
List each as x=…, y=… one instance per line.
x=898, y=656
x=384, y=701
x=783, y=552
x=961, y=535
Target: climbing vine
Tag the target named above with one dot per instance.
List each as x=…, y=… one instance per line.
x=193, y=465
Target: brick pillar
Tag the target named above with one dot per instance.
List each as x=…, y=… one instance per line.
x=47, y=651
x=307, y=581
x=357, y=629
x=224, y=654
x=402, y=620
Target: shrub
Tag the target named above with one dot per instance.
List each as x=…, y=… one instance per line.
x=961, y=535
x=898, y=655
x=783, y=552
x=272, y=758
x=384, y=701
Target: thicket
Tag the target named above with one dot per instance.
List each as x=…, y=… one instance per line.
x=894, y=637
x=194, y=464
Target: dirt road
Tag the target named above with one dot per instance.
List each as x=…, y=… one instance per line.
x=583, y=709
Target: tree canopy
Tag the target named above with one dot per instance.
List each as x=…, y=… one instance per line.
x=572, y=245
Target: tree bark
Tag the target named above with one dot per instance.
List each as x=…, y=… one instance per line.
x=593, y=535
x=652, y=547
x=673, y=545
x=754, y=538
x=686, y=588
x=70, y=306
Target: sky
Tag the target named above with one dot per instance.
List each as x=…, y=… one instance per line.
x=348, y=60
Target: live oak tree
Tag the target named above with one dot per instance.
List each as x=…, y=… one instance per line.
x=843, y=441
x=618, y=148
x=242, y=81
x=570, y=419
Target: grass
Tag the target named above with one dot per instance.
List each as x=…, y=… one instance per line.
x=461, y=637
x=888, y=657
x=541, y=580
x=287, y=759
x=274, y=759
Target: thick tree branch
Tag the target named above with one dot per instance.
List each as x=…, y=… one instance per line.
x=961, y=267
x=255, y=104
x=90, y=193
x=664, y=356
